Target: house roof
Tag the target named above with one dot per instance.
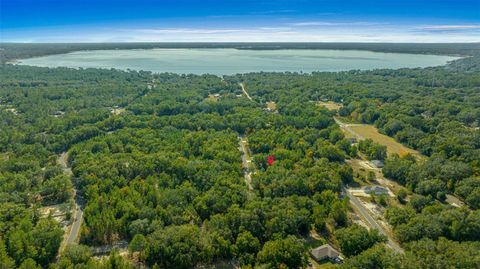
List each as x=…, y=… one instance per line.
x=377, y=162
x=324, y=251
x=375, y=189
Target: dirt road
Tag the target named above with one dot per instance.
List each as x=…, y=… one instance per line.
x=245, y=92
x=246, y=160
x=73, y=231
x=348, y=129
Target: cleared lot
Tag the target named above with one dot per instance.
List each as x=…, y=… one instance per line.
x=330, y=105
x=369, y=131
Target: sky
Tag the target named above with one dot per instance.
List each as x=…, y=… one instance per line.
x=240, y=21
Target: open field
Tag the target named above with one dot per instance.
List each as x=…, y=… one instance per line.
x=368, y=131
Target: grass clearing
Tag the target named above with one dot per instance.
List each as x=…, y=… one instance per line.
x=330, y=105
x=368, y=131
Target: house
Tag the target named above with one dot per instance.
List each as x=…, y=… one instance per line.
x=116, y=110
x=377, y=163
x=58, y=114
x=377, y=190
x=12, y=110
x=326, y=252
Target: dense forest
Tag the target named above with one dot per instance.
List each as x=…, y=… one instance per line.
x=156, y=161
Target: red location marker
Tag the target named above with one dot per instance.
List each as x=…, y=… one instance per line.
x=270, y=159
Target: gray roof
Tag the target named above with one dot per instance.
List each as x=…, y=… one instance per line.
x=324, y=251
x=376, y=189
x=377, y=163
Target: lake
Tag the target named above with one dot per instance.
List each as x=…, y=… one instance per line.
x=232, y=61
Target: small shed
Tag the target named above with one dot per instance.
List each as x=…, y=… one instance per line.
x=326, y=252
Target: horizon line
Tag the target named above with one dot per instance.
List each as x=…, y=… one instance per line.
x=236, y=42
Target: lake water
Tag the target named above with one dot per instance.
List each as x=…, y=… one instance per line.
x=232, y=61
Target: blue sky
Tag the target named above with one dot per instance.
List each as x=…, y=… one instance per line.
x=234, y=21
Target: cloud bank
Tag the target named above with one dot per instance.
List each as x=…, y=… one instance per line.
x=299, y=31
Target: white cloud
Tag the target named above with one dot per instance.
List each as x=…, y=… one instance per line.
x=327, y=23
x=291, y=35
x=267, y=33
x=186, y=31
x=195, y=32
x=448, y=27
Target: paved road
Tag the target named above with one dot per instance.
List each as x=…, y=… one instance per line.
x=245, y=92
x=370, y=220
x=74, y=230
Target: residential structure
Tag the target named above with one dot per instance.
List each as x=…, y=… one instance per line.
x=326, y=252
x=377, y=163
x=377, y=190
